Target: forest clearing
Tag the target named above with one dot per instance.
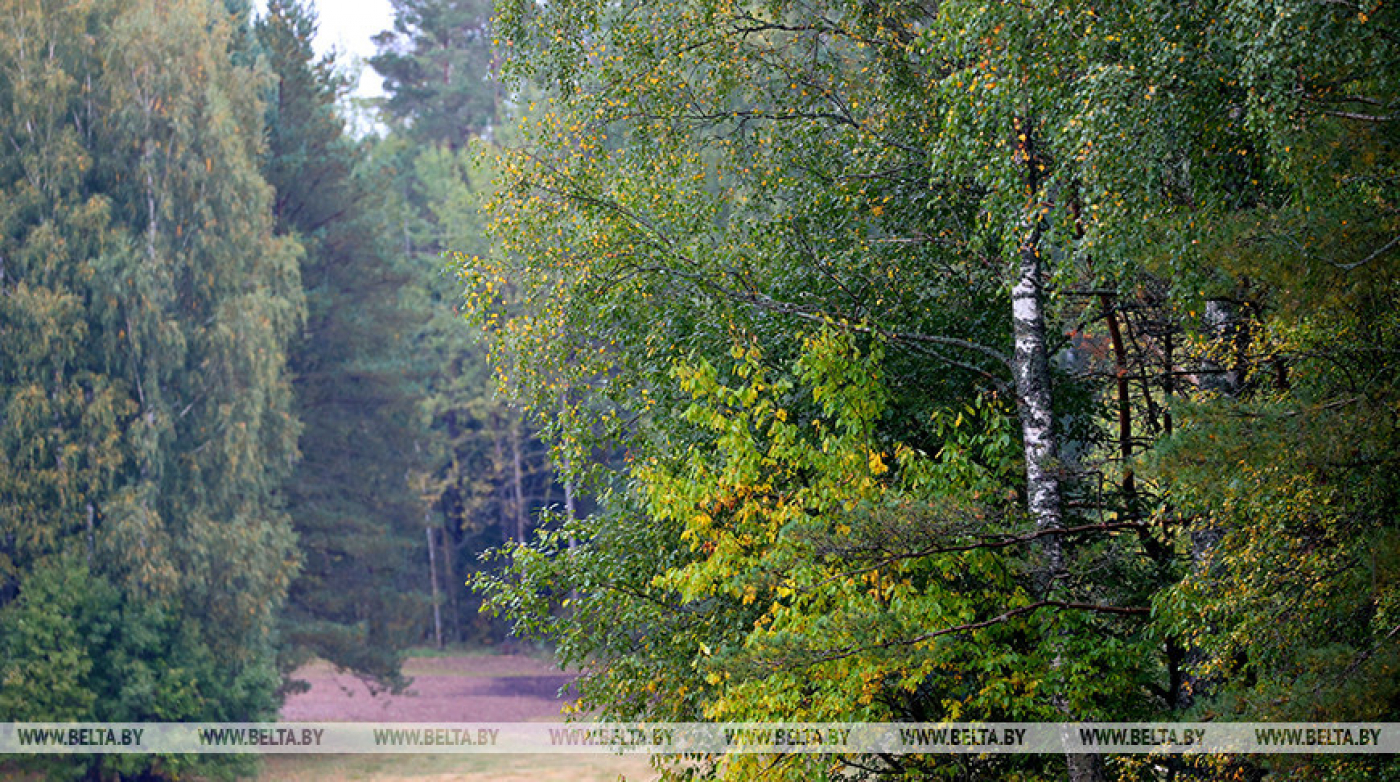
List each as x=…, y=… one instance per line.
x=479, y=687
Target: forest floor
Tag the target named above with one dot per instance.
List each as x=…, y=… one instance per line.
x=452, y=687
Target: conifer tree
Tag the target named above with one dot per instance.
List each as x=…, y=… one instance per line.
x=437, y=68
x=354, y=601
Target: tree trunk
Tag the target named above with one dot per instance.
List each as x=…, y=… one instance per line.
x=432, y=577
x=518, y=480
x=1031, y=368
x=570, y=502
x=1030, y=364
x=91, y=534
x=1125, y=418
x=503, y=502
x=449, y=569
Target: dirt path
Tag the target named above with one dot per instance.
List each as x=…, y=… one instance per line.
x=463, y=688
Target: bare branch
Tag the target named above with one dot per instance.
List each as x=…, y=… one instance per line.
x=1373, y=256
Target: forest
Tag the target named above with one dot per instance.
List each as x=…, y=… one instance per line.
x=765, y=360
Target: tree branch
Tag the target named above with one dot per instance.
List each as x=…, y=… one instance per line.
x=839, y=654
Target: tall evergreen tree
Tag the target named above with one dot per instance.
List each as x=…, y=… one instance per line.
x=437, y=68
x=359, y=526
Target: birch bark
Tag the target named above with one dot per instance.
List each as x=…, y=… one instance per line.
x=1030, y=366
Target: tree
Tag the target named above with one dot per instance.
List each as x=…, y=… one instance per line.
x=437, y=70
x=712, y=192
x=147, y=305
x=357, y=599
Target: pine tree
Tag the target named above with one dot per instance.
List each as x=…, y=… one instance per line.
x=355, y=601
x=437, y=69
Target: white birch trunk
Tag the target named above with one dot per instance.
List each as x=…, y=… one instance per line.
x=1030, y=364
x=433, y=578
x=1031, y=367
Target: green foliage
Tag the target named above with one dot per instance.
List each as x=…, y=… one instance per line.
x=1210, y=189
x=51, y=633
x=146, y=305
x=357, y=600
x=437, y=65
x=752, y=279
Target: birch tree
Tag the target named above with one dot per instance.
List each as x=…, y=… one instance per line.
x=734, y=213
x=148, y=426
